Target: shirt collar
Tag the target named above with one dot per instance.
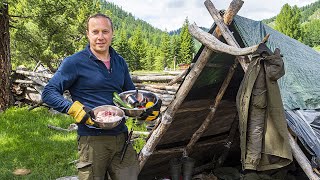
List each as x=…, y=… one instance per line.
x=93, y=57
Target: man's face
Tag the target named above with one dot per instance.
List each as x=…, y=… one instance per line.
x=99, y=34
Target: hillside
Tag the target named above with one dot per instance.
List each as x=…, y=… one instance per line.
x=308, y=12
x=303, y=23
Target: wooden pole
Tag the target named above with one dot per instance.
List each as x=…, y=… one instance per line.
x=231, y=40
x=180, y=76
x=167, y=117
x=204, y=126
x=216, y=45
x=302, y=159
x=223, y=29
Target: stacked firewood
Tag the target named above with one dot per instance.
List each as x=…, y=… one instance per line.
x=27, y=85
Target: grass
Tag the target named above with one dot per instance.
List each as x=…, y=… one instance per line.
x=26, y=142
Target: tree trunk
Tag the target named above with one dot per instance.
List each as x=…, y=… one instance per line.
x=5, y=65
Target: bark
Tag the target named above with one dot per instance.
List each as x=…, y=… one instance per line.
x=5, y=64
x=215, y=45
x=302, y=159
x=167, y=117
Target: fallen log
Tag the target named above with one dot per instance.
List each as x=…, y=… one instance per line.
x=34, y=74
x=139, y=79
x=157, y=90
x=155, y=86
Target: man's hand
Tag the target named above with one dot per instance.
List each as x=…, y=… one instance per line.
x=81, y=113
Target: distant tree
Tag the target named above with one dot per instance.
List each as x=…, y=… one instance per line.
x=5, y=63
x=174, y=50
x=121, y=44
x=49, y=30
x=165, y=49
x=138, y=47
x=311, y=33
x=288, y=21
x=148, y=63
x=186, y=50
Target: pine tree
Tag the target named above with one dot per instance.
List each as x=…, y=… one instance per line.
x=121, y=45
x=288, y=21
x=165, y=50
x=186, y=50
x=138, y=47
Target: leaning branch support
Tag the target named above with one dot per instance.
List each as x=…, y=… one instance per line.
x=167, y=117
x=302, y=159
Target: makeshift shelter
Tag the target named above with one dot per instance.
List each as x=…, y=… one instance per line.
x=201, y=121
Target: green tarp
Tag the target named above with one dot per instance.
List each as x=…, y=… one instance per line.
x=300, y=86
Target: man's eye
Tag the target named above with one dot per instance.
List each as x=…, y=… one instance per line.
x=105, y=32
x=95, y=32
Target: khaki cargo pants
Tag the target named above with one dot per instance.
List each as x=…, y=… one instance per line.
x=100, y=156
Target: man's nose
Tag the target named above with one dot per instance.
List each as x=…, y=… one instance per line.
x=100, y=35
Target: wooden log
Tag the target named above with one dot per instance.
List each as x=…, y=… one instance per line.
x=34, y=74
x=137, y=79
x=302, y=159
x=180, y=76
x=236, y=5
x=181, y=149
x=204, y=126
x=215, y=45
x=231, y=40
x=212, y=65
x=233, y=9
x=161, y=87
x=168, y=115
x=20, y=81
x=148, y=88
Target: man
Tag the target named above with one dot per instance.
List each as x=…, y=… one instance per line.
x=91, y=76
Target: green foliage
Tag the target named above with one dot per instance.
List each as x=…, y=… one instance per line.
x=311, y=33
x=48, y=31
x=165, y=50
x=309, y=10
x=137, y=126
x=138, y=47
x=120, y=43
x=186, y=50
x=288, y=21
x=26, y=142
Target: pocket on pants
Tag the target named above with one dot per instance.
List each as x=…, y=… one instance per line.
x=85, y=170
x=259, y=98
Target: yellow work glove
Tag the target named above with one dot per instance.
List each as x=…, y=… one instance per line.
x=151, y=113
x=81, y=114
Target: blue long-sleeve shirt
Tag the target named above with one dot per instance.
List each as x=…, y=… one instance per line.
x=89, y=82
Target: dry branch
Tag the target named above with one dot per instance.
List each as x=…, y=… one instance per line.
x=204, y=126
x=215, y=45
x=168, y=115
x=302, y=159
